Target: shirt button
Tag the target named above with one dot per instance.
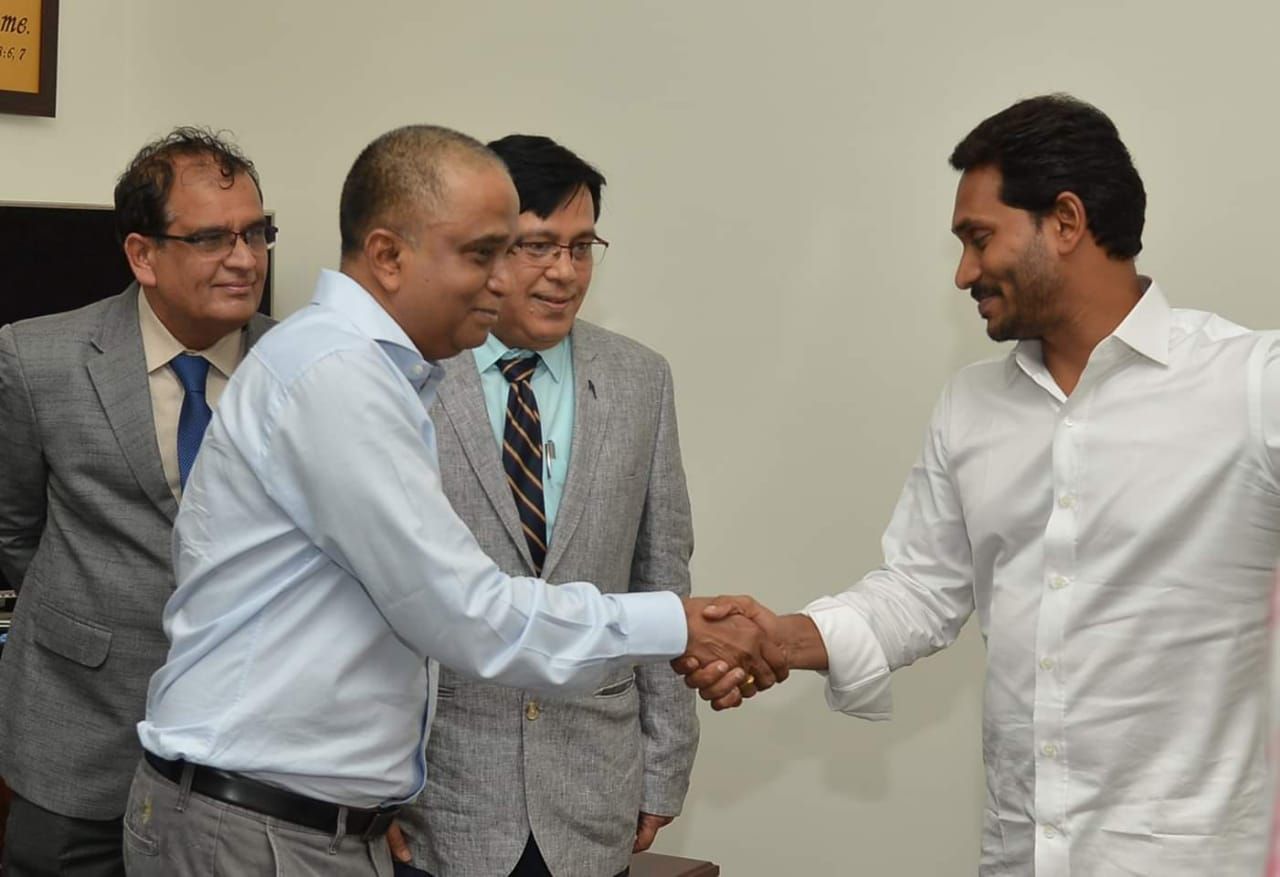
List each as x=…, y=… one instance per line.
x=1068, y=422
x=1067, y=500
x=1058, y=583
x=1050, y=832
x=1049, y=750
x=532, y=711
x=1046, y=663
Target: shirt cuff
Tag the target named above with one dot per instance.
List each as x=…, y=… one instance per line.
x=655, y=624
x=858, y=671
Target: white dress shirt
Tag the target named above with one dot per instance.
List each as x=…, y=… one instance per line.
x=1118, y=547
x=319, y=566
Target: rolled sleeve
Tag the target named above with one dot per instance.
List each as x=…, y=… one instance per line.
x=858, y=671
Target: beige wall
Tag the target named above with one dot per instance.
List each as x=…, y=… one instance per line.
x=779, y=203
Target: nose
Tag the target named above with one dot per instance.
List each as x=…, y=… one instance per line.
x=242, y=255
x=499, y=282
x=563, y=269
x=968, y=271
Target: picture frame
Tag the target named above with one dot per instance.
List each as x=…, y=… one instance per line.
x=29, y=57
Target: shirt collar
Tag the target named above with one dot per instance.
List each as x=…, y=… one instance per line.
x=556, y=358
x=342, y=293
x=1145, y=330
x=1146, y=327
x=160, y=347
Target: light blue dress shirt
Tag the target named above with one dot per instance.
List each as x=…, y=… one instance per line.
x=553, y=388
x=319, y=566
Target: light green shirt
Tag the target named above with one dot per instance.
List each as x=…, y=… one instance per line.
x=553, y=388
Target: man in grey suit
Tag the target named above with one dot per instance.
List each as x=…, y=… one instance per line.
x=519, y=783
x=101, y=412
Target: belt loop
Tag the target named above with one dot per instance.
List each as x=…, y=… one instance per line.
x=184, y=785
x=341, y=831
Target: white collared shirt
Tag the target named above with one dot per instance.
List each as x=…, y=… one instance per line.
x=1118, y=546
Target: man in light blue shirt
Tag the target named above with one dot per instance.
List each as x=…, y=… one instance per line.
x=321, y=572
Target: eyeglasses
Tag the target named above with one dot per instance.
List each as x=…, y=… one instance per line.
x=219, y=243
x=547, y=253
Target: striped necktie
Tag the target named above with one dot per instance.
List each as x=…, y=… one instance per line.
x=522, y=455
x=192, y=371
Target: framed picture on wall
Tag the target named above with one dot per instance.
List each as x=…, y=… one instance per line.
x=28, y=57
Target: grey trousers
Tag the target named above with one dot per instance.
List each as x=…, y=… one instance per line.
x=170, y=831
x=41, y=843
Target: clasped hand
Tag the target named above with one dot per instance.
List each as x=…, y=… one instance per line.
x=734, y=650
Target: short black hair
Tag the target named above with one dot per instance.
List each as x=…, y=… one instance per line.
x=1044, y=146
x=142, y=192
x=546, y=174
x=398, y=179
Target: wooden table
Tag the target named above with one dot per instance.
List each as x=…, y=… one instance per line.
x=657, y=865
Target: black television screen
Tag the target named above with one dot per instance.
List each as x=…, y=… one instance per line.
x=57, y=257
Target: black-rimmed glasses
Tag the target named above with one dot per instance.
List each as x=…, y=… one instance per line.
x=258, y=238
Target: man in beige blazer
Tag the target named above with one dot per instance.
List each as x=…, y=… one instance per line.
x=518, y=783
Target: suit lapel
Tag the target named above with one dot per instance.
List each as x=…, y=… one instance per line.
x=462, y=398
x=119, y=376
x=592, y=390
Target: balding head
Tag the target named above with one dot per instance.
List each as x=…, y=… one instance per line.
x=402, y=179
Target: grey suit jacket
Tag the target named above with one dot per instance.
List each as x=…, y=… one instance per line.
x=576, y=771
x=85, y=522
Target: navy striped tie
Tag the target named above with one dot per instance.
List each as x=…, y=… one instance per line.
x=522, y=455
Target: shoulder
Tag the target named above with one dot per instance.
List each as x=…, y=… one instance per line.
x=82, y=321
x=55, y=340
x=314, y=336
x=616, y=348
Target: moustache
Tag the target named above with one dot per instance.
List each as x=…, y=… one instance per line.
x=979, y=291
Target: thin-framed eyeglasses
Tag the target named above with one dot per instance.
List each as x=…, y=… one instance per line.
x=220, y=242
x=547, y=253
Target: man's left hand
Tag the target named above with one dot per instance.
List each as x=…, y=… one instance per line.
x=647, y=827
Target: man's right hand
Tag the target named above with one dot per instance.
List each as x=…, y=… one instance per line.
x=796, y=637
x=739, y=656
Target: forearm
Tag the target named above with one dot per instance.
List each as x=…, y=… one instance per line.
x=803, y=643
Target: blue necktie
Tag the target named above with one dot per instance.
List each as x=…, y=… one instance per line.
x=192, y=370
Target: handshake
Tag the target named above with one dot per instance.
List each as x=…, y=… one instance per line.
x=737, y=647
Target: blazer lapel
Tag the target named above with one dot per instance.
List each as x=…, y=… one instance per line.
x=462, y=398
x=119, y=376
x=592, y=386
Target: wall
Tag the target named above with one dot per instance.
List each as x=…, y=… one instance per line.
x=779, y=202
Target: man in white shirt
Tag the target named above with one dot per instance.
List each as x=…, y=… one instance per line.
x=1106, y=498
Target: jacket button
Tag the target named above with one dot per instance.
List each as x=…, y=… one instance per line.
x=532, y=711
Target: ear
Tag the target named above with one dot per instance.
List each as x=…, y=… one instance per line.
x=1068, y=223
x=384, y=252
x=140, y=251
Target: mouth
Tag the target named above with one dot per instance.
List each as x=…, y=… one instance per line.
x=238, y=290
x=986, y=297
x=554, y=303
x=487, y=315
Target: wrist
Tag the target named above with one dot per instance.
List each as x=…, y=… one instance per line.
x=803, y=643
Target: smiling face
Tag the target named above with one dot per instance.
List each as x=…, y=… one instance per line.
x=445, y=300
x=197, y=296
x=541, y=302
x=1006, y=264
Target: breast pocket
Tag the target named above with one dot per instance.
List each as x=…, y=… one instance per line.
x=73, y=638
